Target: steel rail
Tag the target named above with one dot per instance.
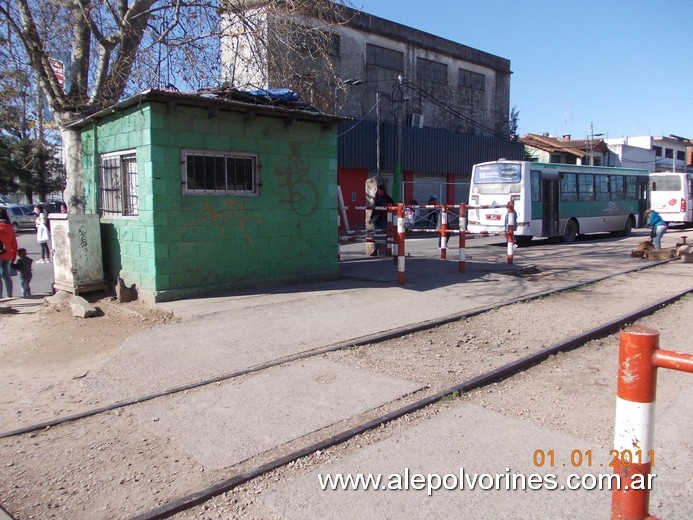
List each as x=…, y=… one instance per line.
x=493, y=376
x=354, y=342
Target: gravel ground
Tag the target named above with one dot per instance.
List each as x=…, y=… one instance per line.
x=113, y=466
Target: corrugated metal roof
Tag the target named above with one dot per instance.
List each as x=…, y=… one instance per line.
x=299, y=113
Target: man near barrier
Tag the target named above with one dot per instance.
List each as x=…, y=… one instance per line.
x=379, y=217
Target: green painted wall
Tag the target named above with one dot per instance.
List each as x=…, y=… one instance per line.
x=183, y=245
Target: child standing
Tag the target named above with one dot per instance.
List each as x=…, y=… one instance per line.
x=42, y=234
x=23, y=267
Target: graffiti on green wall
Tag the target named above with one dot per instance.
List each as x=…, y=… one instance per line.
x=234, y=215
x=298, y=190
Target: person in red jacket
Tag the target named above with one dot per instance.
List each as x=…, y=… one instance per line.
x=8, y=252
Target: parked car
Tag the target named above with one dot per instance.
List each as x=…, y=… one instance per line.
x=53, y=206
x=21, y=217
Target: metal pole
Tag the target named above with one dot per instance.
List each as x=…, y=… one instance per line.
x=443, y=232
x=400, y=244
x=634, y=430
x=463, y=237
x=510, y=233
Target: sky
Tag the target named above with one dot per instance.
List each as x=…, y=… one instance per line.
x=615, y=67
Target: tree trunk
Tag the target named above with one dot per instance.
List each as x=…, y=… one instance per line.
x=74, y=186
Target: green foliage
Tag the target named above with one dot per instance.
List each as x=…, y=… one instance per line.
x=513, y=123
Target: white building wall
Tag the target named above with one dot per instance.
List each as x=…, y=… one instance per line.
x=626, y=156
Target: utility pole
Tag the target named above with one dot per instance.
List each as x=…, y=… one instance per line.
x=397, y=181
x=590, y=146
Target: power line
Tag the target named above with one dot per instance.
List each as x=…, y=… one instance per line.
x=430, y=97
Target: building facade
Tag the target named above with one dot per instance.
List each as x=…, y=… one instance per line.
x=423, y=109
x=654, y=153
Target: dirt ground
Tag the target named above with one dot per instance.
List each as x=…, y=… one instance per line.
x=45, y=351
x=112, y=467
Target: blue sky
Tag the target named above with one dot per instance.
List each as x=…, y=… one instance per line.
x=622, y=66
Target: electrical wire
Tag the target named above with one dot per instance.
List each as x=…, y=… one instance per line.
x=430, y=97
x=359, y=121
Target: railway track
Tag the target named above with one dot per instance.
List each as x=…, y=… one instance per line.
x=408, y=405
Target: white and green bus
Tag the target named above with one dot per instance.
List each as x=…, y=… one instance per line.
x=556, y=200
x=671, y=195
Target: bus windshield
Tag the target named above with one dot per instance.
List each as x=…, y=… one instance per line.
x=666, y=183
x=498, y=174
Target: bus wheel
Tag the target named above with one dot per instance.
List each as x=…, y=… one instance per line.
x=571, y=231
x=630, y=224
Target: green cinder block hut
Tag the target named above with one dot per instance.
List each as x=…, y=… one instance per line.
x=199, y=194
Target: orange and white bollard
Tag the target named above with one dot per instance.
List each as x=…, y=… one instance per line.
x=638, y=360
x=463, y=237
x=633, y=437
x=390, y=234
x=443, y=232
x=510, y=233
x=400, y=244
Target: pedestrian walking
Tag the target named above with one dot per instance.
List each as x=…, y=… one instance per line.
x=8, y=252
x=42, y=234
x=23, y=266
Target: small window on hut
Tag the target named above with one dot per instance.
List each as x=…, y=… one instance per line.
x=219, y=173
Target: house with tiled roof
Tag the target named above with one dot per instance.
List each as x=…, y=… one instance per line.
x=546, y=148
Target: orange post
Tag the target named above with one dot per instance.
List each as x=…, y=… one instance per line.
x=400, y=244
x=510, y=232
x=443, y=232
x=463, y=237
x=637, y=385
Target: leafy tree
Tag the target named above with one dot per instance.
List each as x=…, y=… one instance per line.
x=27, y=162
x=513, y=123
x=119, y=47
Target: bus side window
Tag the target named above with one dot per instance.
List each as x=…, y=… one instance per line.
x=654, y=185
x=536, y=185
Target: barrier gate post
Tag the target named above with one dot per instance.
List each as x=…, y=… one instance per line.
x=443, y=232
x=400, y=243
x=463, y=237
x=637, y=384
x=510, y=232
x=638, y=360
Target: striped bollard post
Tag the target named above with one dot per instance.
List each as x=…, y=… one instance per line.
x=633, y=436
x=339, y=239
x=443, y=232
x=510, y=235
x=400, y=244
x=463, y=237
x=389, y=237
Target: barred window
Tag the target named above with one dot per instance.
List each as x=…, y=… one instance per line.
x=385, y=58
x=470, y=79
x=219, y=173
x=119, y=188
x=431, y=70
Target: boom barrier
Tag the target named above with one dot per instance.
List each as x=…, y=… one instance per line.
x=395, y=233
x=638, y=361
